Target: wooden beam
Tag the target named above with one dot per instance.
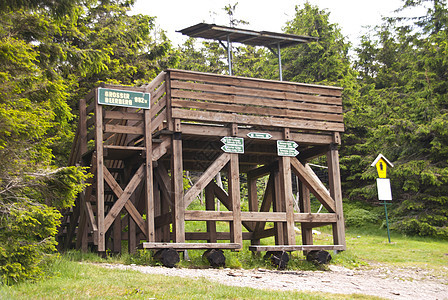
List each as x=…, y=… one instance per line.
x=295, y=247
x=206, y=177
x=236, y=235
x=100, y=177
x=305, y=207
x=210, y=206
x=314, y=185
x=187, y=246
x=286, y=196
x=334, y=179
x=123, y=195
x=149, y=190
x=177, y=189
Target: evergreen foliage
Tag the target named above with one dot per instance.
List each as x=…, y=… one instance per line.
x=402, y=113
x=51, y=54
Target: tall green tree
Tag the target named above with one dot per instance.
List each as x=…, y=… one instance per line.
x=403, y=110
x=51, y=54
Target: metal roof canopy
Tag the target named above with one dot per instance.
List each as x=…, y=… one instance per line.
x=244, y=36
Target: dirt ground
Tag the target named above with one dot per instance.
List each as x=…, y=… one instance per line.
x=377, y=280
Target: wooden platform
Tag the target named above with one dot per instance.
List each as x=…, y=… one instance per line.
x=139, y=156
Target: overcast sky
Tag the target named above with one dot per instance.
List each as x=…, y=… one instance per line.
x=269, y=15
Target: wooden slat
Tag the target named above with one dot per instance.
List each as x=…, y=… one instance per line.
x=206, y=215
x=155, y=95
x=124, y=129
x=205, y=116
x=256, y=83
x=213, y=130
x=296, y=247
x=123, y=115
x=322, y=115
x=217, y=93
x=186, y=246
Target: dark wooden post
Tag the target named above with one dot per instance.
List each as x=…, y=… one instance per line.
x=177, y=187
x=99, y=174
x=210, y=205
x=149, y=193
x=336, y=193
x=286, y=197
x=236, y=235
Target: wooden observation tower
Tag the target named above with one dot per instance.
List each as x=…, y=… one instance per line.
x=138, y=142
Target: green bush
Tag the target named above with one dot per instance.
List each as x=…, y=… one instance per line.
x=27, y=239
x=359, y=217
x=417, y=227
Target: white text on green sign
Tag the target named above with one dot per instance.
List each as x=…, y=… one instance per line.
x=287, y=152
x=236, y=141
x=287, y=144
x=233, y=149
x=123, y=98
x=259, y=135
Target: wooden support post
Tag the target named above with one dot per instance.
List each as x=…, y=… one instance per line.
x=100, y=175
x=334, y=179
x=278, y=207
x=132, y=235
x=117, y=234
x=149, y=193
x=177, y=189
x=210, y=205
x=236, y=235
x=305, y=207
x=252, y=198
x=284, y=169
x=157, y=209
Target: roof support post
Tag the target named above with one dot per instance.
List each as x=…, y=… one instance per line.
x=279, y=54
x=229, y=54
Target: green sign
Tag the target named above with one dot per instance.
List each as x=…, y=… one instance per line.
x=123, y=98
x=229, y=140
x=233, y=149
x=287, y=148
x=287, y=152
x=287, y=144
x=259, y=135
x=233, y=144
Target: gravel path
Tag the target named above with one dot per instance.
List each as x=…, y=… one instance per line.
x=378, y=280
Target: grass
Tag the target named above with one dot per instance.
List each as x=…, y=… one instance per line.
x=74, y=280
x=366, y=247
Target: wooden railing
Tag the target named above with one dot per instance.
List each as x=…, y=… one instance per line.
x=201, y=97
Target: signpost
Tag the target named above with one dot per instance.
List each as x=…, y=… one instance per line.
x=383, y=184
x=233, y=144
x=259, y=135
x=287, y=148
x=123, y=98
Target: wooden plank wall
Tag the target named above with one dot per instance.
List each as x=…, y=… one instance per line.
x=213, y=98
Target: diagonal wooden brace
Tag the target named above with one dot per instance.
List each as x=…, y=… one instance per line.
x=123, y=199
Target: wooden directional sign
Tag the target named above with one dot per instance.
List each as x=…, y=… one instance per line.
x=287, y=148
x=230, y=140
x=233, y=144
x=259, y=135
x=233, y=149
x=123, y=98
